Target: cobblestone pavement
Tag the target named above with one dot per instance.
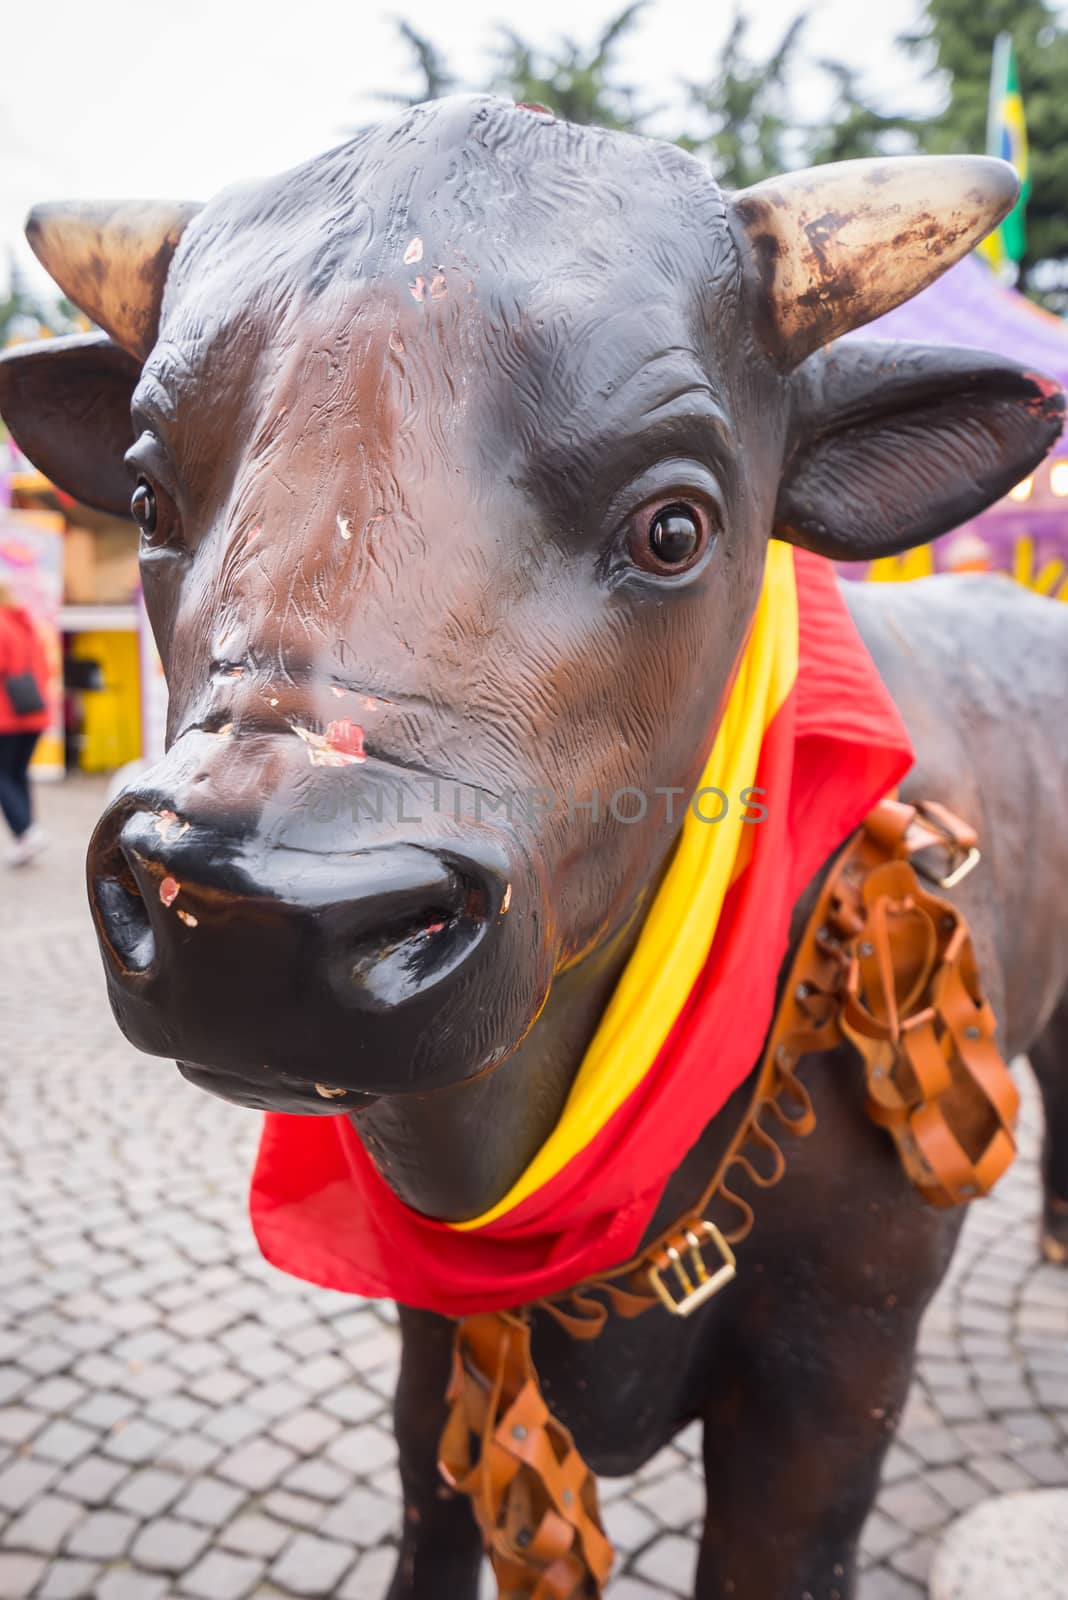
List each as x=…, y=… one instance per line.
x=177, y=1419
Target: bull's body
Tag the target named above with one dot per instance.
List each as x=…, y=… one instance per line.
x=473, y=432
x=799, y=1371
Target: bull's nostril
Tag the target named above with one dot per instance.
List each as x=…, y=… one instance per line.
x=425, y=935
x=123, y=915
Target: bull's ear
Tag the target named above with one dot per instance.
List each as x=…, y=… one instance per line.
x=111, y=258
x=892, y=444
x=67, y=404
x=832, y=247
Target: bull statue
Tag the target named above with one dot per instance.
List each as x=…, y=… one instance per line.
x=496, y=466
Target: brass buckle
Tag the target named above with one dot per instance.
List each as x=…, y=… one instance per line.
x=694, y=1291
x=960, y=871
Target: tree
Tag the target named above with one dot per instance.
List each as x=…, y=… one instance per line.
x=27, y=315
x=744, y=117
x=854, y=128
x=956, y=39
x=578, y=84
x=436, y=77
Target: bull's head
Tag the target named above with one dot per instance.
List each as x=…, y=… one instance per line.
x=455, y=454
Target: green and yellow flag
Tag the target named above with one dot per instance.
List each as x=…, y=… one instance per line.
x=1006, y=136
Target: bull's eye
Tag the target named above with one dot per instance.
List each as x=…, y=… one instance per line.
x=143, y=508
x=668, y=539
x=675, y=535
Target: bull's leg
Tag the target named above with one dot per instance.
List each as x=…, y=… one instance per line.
x=791, y=1478
x=441, y=1549
x=1049, y=1058
x=804, y=1396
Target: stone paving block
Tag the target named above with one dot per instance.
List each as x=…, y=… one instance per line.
x=134, y=1442
x=104, y=1408
x=19, y=1423
x=44, y=1525
x=622, y=1589
x=676, y=1501
x=232, y=1425
x=1045, y=1466
x=266, y=1362
x=958, y=1487
x=23, y=1481
x=629, y=1526
x=18, y=1574
x=881, y=1536
x=363, y=1518
x=298, y=1509
x=1000, y=1473
x=93, y=1480
x=64, y=1442
x=936, y=1447
x=914, y=1505
x=277, y=1399
x=257, y=1465
x=189, y=1453
x=354, y=1403
x=175, y=1413
x=149, y=1491
x=103, y=1536
x=220, y=1387
x=307, y=1430
x=1028, y=1427
x=914, y=1560
x=319, y=1479
x=125, y=1583
x=58, y=1394
x=167, y=1545
x=211, y=1502
x=221, y=1576
x=323, y=1373
x=366, y=1450
x=254, y=1534
x=670, y=1561
x=371, y=1575
x=66, y=1579
x=312, y=1566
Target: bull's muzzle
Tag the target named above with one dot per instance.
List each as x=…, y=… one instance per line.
x=288, y=978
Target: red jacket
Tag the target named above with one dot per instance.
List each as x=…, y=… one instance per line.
x=21, y=650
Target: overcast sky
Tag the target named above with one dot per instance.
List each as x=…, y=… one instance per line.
x=131, y=98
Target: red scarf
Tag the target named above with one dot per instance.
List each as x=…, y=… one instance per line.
x=321, y=1211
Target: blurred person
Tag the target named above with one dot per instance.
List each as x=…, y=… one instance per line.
x=23, y=717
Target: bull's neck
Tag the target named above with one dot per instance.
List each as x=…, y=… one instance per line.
x=454, y=1153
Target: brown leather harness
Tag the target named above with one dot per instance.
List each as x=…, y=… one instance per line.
x=885, y=964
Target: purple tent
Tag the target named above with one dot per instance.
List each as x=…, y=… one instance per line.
x=1026, y=534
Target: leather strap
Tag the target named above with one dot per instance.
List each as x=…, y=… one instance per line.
x=883, y=963
x=534, y=1496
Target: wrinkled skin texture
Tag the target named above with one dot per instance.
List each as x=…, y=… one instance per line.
x=402, y=514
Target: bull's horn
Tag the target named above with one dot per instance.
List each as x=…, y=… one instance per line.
x=111, y=259
x=838, y=245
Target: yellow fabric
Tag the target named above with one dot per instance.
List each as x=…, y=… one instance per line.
x=681, y=923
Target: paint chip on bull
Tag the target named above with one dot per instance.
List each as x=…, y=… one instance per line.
x=417, y=289
x=340, y=746
x=414, y=252
x=343, y=526
x=188, y=918
x=169, y=890
x=165, y=824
